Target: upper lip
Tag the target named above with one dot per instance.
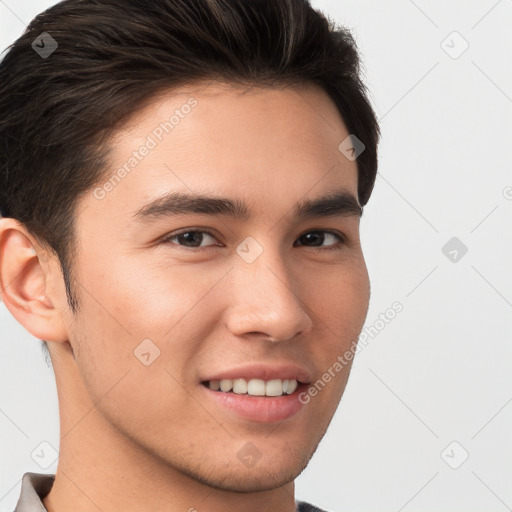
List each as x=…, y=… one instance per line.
x=263, y=371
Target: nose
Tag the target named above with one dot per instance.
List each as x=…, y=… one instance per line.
x=265, y=299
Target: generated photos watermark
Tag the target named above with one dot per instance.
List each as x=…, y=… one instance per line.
x=152, y=140
x=367, y=334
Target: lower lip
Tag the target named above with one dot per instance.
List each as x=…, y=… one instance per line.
x=263, y=409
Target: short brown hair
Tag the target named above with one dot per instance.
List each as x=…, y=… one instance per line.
x=57, y=113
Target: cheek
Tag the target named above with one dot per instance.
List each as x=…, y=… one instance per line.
x=131, y=313
x=134, y=381
x=339, y=305
x=151, y=298
x=342, y=299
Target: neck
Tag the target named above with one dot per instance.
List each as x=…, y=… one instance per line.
x=102, y=469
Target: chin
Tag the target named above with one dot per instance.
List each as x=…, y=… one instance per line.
x=251, y=479
x=265, y=475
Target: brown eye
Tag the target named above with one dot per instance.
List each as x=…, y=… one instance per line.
x=317, y=238
x=191, y=239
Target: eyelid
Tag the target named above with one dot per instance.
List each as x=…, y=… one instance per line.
x=334, y=232
x=335, y=247
x=166, y=239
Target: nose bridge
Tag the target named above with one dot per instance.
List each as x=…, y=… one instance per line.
x=265, y=298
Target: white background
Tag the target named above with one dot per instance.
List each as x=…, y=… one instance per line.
x=440, y=371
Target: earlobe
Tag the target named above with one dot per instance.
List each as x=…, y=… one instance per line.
x=24, y=275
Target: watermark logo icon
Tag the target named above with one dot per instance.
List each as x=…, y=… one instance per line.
x=249, y=249
x=146, y=352
x=454, y=249
x=44, y=45
x=249, y=455
x=44, y=455
x=454, y=45
x=351, y=147
x=455, y=455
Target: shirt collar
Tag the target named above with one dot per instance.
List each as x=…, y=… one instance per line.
x=34, y=487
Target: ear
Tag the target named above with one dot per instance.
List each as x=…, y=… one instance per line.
x=27, y=283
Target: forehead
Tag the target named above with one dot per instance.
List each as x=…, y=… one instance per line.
x=264, y=146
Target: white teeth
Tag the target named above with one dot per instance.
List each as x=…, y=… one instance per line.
x=292, y=386
x=274, y=387
x=239, y=386
x=226, y=385
x=255, y=387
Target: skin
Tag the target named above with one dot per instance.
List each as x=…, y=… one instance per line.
x=136, y=437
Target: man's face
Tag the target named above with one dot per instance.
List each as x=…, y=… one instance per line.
x=207, y=302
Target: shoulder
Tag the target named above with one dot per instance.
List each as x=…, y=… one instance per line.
x=34, y=487
x=303, y=506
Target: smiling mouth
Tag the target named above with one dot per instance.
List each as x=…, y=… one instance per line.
x=254, y=387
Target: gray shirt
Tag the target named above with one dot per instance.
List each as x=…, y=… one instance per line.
x=35, y=486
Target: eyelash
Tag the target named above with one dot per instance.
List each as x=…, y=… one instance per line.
x=336, y=247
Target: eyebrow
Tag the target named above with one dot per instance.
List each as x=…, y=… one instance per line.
x=338, y=203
